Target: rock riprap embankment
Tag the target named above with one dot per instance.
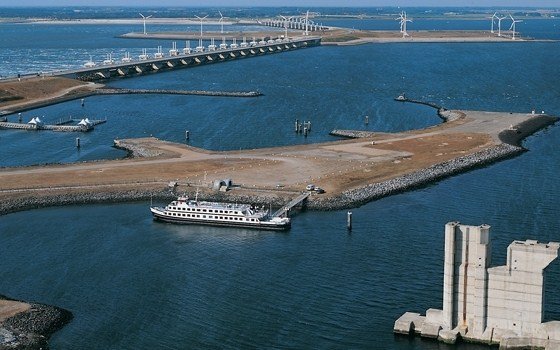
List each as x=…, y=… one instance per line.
x=135, y=150
x=362, y=195
x=85, y=197
x=31, y=328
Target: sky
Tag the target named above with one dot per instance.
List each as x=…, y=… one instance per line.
x=291, y=3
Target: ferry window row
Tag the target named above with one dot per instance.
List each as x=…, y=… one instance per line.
x=217, y=211
x=212, y=217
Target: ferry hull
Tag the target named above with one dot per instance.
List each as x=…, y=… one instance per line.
x=188, y=221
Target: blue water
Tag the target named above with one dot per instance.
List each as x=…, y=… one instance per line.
x=136, y=284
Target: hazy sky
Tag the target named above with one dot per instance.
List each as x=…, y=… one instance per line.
x=298, y=3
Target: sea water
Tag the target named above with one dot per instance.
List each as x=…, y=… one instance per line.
x=132, y=283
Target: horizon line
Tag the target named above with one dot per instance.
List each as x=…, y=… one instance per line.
x=271, y=6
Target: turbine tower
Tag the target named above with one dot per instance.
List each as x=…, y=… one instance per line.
x=403, y=19
x=493, y=18
x=307, y=23
x=286, y=20
x=500, y=25
x=201, y=19
x=221, y=21
x=512, y=28
x=145, y=18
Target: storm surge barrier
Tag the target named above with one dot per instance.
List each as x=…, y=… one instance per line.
x=200, y=56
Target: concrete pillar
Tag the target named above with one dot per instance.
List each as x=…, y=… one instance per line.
x=462, y=277
x=465, y=284
x=449, y=276
x=480, y=265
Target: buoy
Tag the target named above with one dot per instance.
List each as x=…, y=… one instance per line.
x=83, y=102
x=77, y=142
x=349, y=221
x=367, y=120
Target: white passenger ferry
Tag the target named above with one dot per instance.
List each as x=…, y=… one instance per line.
x=185, y=211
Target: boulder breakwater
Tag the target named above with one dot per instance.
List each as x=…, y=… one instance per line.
x=97, y=90
x=114, y=91
x=30, y=325
x=407, y=182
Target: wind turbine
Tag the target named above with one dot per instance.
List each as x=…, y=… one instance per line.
x=500, y=25
x=404, y=19
x=400, y=19
x=286, y=20
x=145, y=18
x=493, y=18
x=513, y=21
x=201, y=18
x=221, y=21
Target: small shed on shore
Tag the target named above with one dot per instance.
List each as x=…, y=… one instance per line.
x=222, y=185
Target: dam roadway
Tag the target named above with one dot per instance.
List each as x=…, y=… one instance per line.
x=188, y=58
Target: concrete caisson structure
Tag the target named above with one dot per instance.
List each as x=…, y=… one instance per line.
x=131, y=68
x=494, y=305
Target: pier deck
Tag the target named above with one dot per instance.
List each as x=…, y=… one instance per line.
x=61, y=125
x=286, y=208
